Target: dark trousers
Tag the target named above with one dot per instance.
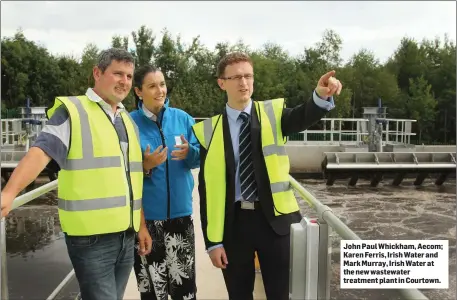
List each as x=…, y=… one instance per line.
x=251, y=232
x=170, y=267
x=102, y=263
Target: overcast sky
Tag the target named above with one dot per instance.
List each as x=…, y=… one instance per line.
x=66, y=27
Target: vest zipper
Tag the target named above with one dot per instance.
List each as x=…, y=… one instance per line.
x=128, y=176
x=162, y=136
x=127, y=173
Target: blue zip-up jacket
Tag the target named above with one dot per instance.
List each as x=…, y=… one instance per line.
x=168, y=192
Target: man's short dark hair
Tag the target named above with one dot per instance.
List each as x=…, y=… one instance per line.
x=106, y=57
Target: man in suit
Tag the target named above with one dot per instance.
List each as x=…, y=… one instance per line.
x=246, y=202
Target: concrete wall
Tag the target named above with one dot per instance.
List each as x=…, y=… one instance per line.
x=307, y=158
x=432, y=148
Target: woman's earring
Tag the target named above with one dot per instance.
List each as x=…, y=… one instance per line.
x=141, y=98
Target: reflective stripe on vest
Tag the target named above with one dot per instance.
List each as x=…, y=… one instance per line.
x=272, y=149
x=93, y=204
x=208, y=129
x=276, y=148
x=92, y=184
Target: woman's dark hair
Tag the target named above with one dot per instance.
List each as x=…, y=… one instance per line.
x=138, y=79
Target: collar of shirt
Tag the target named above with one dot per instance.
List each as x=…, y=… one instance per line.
x=233, y=114
x=148, y=113
x=96, y=98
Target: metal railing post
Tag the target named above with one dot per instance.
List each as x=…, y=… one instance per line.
x=4, y=274
x=325, y=261
x=332, y=129
x=304, y=260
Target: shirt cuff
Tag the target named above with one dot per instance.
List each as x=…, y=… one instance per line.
x=213, y=247
x=327, y=104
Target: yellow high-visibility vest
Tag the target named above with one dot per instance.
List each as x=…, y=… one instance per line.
x=210, y=135
x=93, y=190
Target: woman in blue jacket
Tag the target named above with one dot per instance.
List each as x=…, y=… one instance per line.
x=170, y=152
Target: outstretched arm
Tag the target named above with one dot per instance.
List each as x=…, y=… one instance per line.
x=304, y=115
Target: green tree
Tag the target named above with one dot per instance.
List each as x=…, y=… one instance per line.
x=143, y=40
x=122, y=42
x=369, y=81
x=28, y=71
x=320, y=59
x=69, y=74
x=88, y=61
x=176, y=60
x=421, y=106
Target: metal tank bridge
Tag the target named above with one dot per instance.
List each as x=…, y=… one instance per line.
x=310, y=266
x=378, y=157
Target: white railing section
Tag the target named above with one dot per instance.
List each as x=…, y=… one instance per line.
x=394, y=130
x=17, y=132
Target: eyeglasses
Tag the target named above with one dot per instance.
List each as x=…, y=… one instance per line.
x=239, y=77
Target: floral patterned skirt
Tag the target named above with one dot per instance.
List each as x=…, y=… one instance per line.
x=170, y=267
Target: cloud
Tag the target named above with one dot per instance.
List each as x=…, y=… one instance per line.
x=67, y=27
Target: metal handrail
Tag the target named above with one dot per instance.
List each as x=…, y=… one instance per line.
x=325, y=213
x=19, y=201
x=33, y=194
x=61, y=285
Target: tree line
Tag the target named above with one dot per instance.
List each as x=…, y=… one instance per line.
x=417, y=81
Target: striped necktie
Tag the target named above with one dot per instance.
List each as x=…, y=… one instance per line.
x=247, y=178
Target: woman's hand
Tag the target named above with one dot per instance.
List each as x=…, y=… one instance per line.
x=184, y=150
x=152, y=160
x=145, y=241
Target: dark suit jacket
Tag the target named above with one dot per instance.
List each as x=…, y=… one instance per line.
x=293, y=120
